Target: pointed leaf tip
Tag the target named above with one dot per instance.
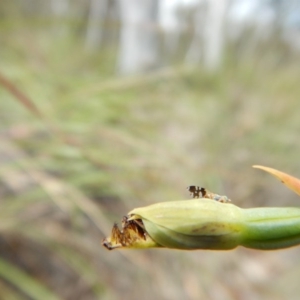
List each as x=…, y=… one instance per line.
x=291, y=182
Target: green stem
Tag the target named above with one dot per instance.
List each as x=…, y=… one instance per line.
x=271, y=228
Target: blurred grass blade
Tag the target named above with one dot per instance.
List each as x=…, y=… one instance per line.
x=28, y=104
x=20, y=96
x=25, y=282
x=291, y=182
x=84, y=267
x=8, y=293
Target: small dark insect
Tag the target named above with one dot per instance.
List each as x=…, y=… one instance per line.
x=201, y=192
x=196, y=191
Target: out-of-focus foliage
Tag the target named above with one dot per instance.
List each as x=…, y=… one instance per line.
x=107, y=144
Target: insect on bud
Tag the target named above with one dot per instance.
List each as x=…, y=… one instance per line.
x=206, y=224
x=186, y=224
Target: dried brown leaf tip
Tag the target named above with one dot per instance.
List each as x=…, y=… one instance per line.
x=290, y=181
x=132, y=235
x=201, y=192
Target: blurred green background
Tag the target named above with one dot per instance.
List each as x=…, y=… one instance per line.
x=102, y=111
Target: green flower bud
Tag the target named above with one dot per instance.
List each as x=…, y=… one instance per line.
x=206, y=224
x=192, y=224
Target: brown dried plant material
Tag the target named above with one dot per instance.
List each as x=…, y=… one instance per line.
x=132, y=235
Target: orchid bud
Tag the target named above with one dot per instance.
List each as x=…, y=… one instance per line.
x=206, y=224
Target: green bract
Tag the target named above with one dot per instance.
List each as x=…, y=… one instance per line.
x=192, y=224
